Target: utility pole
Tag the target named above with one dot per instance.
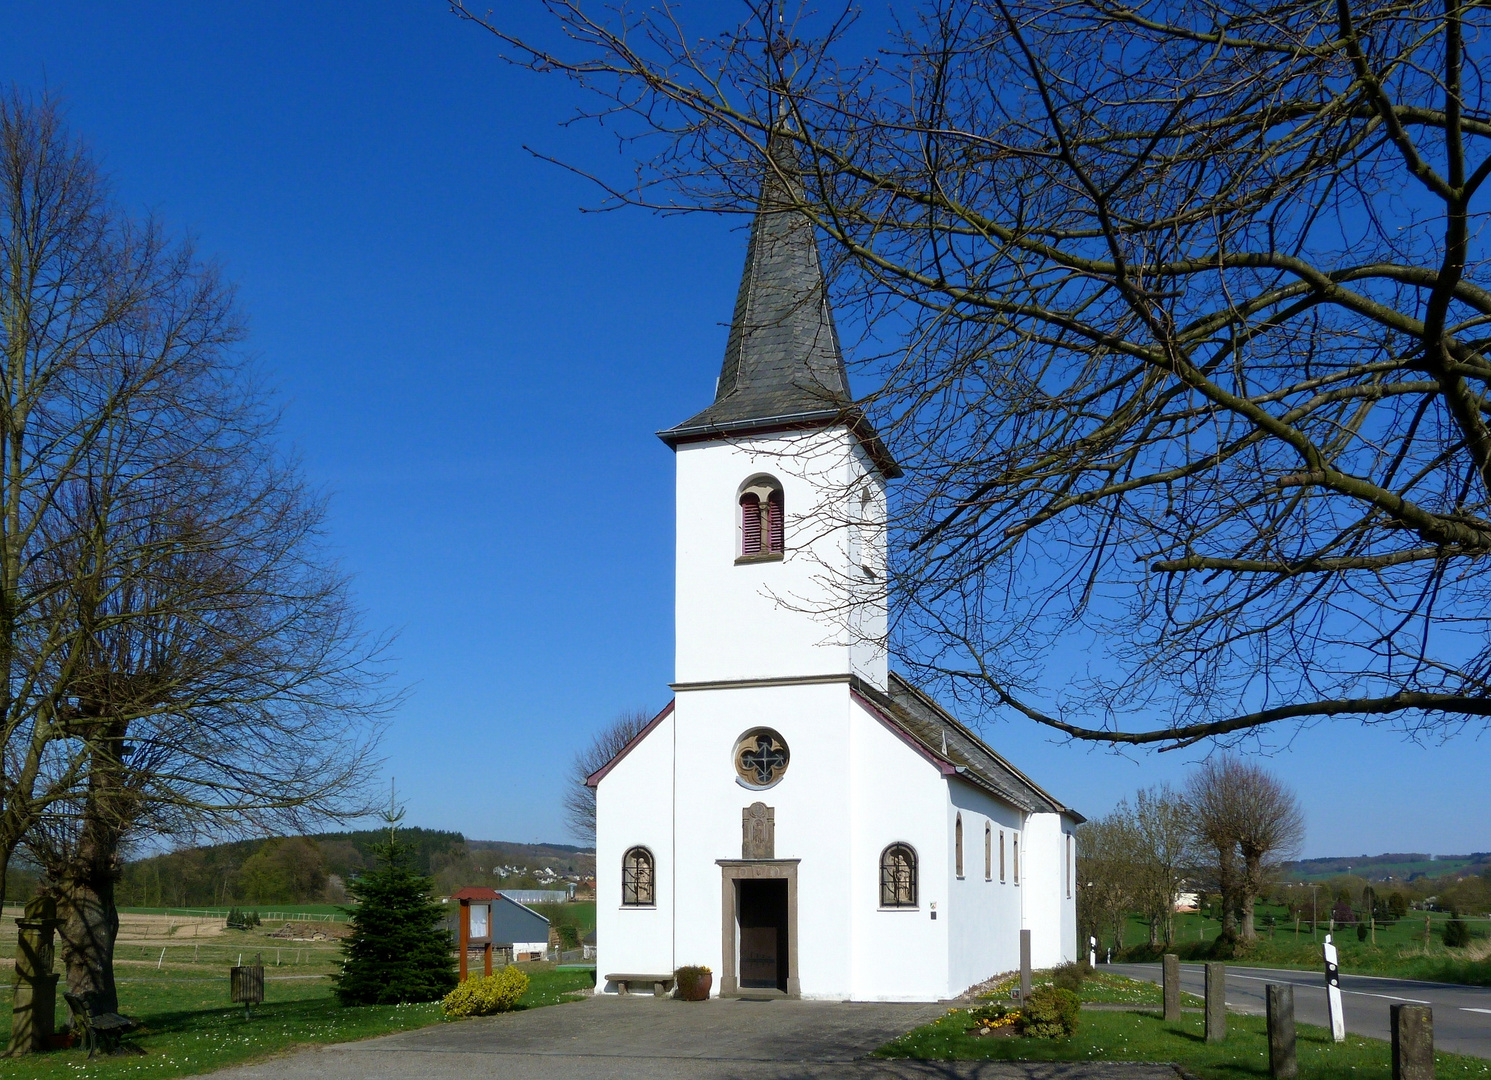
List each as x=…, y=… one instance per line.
x=1314, y=909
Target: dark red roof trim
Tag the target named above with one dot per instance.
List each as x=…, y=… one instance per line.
x=476, y=892
x=600, y=774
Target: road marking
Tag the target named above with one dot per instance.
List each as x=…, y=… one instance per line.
x=1463, y=1009
x=1321, y=985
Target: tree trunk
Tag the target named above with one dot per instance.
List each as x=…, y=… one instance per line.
x=1227, y=882
x=90, y=926
x=1248, y=930
x=85, y=879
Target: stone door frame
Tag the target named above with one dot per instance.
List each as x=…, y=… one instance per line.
x=731, y=871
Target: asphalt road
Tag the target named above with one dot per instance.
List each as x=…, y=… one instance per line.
x=1462, y=1014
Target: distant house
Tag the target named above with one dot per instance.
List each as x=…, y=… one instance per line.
x=1187, y=901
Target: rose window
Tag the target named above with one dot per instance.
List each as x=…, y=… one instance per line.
x=760, y=758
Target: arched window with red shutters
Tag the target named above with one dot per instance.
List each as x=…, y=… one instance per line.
x=761, y=533
x=750, y=524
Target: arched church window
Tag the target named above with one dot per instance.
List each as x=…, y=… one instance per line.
x=761, y=758
x=638, y=884
x=898, y=877
x=762, y=519
x=958, y=844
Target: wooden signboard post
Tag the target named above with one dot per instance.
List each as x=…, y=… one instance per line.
x=476, y=925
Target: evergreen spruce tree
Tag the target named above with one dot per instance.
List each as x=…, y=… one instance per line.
x=399, y=950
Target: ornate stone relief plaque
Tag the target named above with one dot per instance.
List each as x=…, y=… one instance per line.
x=758, y=832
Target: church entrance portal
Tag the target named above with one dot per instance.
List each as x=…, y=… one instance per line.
x=763, y=934
x=758, y=927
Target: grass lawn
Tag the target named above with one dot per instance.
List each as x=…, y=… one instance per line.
x=579, y=912
x=1100, y=987
x=1142, y=1036
x=190, y=1027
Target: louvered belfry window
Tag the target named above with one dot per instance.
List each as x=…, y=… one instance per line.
x=762, y=518
x=774, y=522
x=750, y=524
x=898, y=877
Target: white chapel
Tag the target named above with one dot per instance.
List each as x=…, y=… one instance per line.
x=799, y=818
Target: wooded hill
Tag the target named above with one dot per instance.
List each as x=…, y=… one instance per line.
x=314, y=868
x=1393, y=866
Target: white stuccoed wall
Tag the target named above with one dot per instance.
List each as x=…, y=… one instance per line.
x=1050, y=915
x=985, y=916
x=738, y=622
x=811, y=805
x=634, y=805
x=898, y=955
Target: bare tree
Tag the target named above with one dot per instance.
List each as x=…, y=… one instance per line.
x=1211, y=793
x=1270, y=830
x=579, y=797
x=1164, y=856
x=183, y=653
x=1250, y=822
x=1187, y=360
x=1105, y=865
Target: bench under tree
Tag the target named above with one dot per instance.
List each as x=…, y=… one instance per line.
x=99, y=1031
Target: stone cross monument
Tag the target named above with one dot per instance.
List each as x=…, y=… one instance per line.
x=34, y=1018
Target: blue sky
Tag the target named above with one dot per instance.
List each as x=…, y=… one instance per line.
x=473, y=368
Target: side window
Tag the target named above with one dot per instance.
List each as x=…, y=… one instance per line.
x=1017, y=858
x=761, y=521
x=1068, y=866
x=1001, y=856
x=898, y=877
x=958, y=844
x=638, y=887
x=988, y=852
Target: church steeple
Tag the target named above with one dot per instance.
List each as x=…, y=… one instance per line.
x=783, y=366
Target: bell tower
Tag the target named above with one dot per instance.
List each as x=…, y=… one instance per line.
x=781, y=481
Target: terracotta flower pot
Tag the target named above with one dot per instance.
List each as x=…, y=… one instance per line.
x=697, y=987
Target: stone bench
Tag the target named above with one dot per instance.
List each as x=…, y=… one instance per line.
x=662, y=985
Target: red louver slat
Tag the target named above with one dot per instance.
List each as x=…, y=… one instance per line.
x=774, y=522
x=750, y=525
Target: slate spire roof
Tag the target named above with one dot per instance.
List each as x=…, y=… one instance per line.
x=783, y=366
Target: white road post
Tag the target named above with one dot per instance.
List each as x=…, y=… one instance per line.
x=1333, y=991
x=1092, y=952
